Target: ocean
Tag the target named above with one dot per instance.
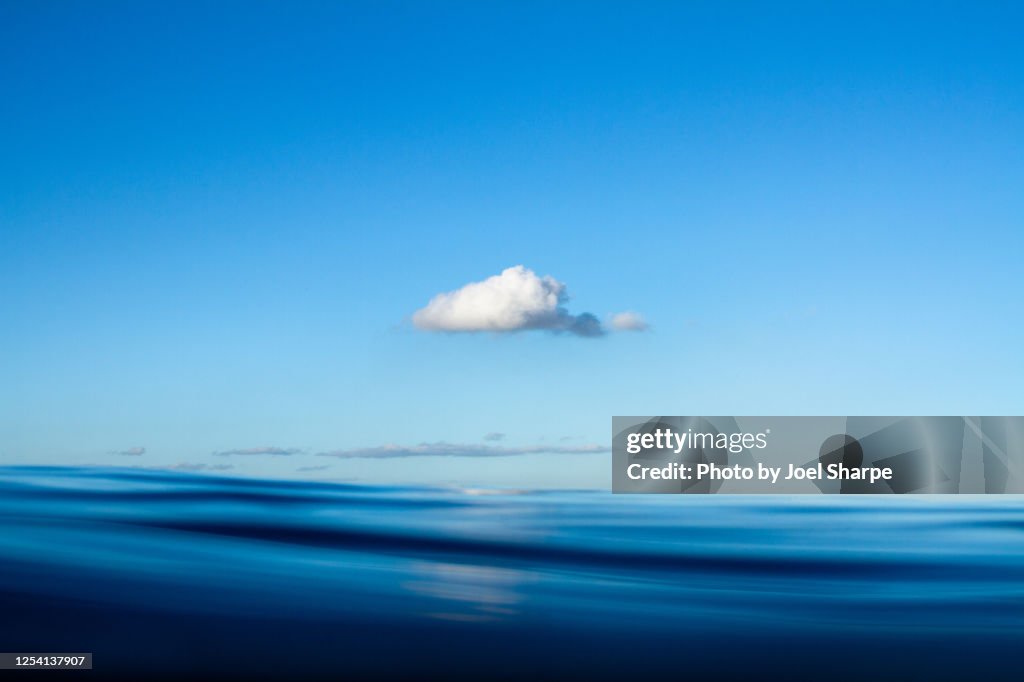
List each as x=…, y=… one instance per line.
x=163, y=574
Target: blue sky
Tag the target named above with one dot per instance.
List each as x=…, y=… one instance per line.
x=216, y=224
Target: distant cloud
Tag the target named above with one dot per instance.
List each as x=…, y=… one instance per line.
x=320, y=467
x=188, y=466
x=132, y=452
x=494, y=436
x=442, y=449
x=269, y=450
x=516, y=300
x=629, y=322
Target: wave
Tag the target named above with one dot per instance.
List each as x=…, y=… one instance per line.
x=254, y=578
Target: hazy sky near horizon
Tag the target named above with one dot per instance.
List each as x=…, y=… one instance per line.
x=218, y=221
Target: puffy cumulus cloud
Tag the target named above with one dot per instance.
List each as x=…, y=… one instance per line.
x=131, y=452
x=268, y=450
x=516, y=300
x=628, y=322
x=443, y=449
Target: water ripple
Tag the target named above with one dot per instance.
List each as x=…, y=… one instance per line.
x=244, y=577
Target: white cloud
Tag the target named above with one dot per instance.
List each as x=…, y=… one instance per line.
x=516, y=300
x=132, y=452
x=442, y=449
x=629, y=322
x=269, y=450
x=494, y=435
x=188, y=466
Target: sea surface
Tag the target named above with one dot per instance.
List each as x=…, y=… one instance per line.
x=167, y=575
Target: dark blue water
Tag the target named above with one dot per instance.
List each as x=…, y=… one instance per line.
x=163, y=574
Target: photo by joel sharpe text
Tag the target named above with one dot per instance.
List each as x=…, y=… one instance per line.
x=676, y=442
x=706, y=470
